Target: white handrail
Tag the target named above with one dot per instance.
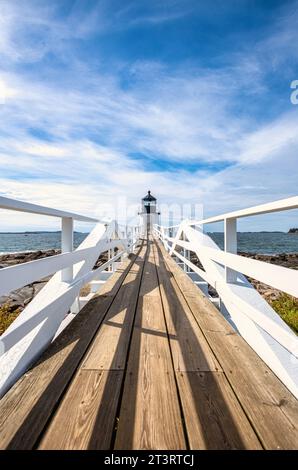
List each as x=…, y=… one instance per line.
x=20, y=206
x=276, y=206
x=253, y=317
x=17, y=276
x=278, y=277
x=43, y=317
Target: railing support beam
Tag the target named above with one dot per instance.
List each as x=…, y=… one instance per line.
x=230, y=228
x=67, y=246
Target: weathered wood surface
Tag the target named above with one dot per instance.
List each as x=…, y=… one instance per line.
x=213, y=417
x=25, y=409
x=150, y=416
x=87, y=413
x=96, y=402
x=190, y=349
x=109, y=348
x=269, y=406
x=149, y=363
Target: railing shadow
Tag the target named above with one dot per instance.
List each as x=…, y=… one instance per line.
x=110, y=392
x=213, y=412
x=218, y=426
x=33, y=424
x=137, y=378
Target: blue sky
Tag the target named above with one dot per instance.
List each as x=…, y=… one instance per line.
x=101, y=100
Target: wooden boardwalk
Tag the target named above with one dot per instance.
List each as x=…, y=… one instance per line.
x=149, y=363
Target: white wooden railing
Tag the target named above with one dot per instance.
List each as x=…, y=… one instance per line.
x=238, y=300
x=56, y=304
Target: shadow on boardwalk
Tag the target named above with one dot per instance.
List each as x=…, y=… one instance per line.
x=212, y=413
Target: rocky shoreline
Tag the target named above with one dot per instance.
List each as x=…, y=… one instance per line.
x=16, y=301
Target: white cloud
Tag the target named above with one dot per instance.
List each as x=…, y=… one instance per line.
x=269, y=140
x=43, y=150
x=6, y=92
x=180, y=117
x=93, y=125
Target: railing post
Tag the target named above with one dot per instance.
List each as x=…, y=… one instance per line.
x=110, y=255
x=67, y=246
x=171, y=223
x=123, y=235
x=230, y=228
x=184, y=253
x=163, y=238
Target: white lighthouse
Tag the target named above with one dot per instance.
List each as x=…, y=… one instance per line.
x=149, y=213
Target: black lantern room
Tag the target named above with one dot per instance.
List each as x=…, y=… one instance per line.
x=149, y=204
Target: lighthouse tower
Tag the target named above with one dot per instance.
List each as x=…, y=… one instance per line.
x=149, y=213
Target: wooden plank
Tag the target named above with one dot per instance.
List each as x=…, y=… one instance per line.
x=85, y=419
x=150, y=416
x=213, y=416
x=87, y=414
x=27, y=406
x=190, y=349
x=150, y=285
x=209, y=317
x=269, y=405
x=109, y=348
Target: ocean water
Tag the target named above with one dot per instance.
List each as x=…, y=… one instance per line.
x=262, y=242
x=253, y=242
x=16, y=242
